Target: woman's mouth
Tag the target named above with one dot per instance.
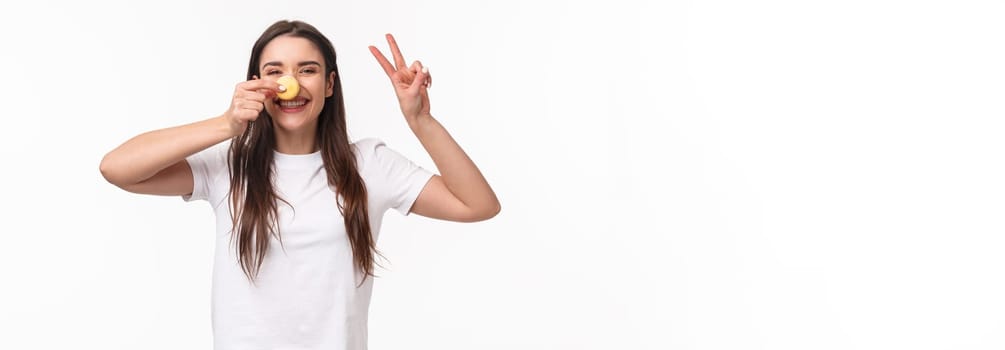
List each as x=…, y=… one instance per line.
x=292, y=106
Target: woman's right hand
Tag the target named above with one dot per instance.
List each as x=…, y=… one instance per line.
x=248, y=102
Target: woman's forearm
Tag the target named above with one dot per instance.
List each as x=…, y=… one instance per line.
x=144, y=155
x=459, y=173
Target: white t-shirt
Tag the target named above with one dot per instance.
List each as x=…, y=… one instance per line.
x=306, y=295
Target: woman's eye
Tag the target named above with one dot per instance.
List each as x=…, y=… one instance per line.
x=308, y=71
x=273, y=72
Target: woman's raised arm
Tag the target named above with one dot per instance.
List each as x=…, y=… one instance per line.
x=154, y=162
x=460, y=193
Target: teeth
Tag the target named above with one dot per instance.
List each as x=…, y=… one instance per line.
x=292, y=104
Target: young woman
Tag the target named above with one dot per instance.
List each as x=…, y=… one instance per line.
x=298, y=205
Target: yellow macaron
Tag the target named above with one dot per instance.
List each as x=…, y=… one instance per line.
x=292, y=88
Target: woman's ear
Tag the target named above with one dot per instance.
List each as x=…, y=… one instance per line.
x=330, y=88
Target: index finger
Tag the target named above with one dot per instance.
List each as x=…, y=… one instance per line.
x=260, y=84
x=382, y=60
x=399, y=61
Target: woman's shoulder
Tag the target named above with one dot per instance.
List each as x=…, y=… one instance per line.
x=375, y=158
x=367, y=144
x=367, y=148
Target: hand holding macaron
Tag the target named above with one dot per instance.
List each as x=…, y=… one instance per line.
x=248, y=102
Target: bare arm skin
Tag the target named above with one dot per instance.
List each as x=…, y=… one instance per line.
x=460, y=193
x=154, y=162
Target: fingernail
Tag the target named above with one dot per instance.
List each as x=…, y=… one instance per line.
x=282, y=88
x=425, y=69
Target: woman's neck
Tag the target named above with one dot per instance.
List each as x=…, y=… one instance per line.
x=304, y=142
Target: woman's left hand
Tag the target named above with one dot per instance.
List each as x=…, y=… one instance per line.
x=410, y=82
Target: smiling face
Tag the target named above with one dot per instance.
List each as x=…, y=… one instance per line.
x=299, y=58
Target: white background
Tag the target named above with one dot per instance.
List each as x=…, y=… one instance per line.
x=674, y=175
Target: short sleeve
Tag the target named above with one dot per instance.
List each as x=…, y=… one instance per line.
x=390, y=177
x=206, y=165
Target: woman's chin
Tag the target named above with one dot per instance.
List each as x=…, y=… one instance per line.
x=291, y=122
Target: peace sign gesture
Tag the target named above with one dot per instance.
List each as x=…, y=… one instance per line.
x=410, y=82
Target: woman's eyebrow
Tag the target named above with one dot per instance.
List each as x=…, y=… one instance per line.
x=301, y=64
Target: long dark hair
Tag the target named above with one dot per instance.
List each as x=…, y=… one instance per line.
x=253, y=198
